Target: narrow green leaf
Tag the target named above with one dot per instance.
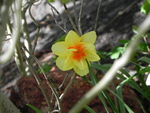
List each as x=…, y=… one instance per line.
x=146, y=69
x=94, y=81
x=134, y=85
x=110, y=102
x=119, y=93
x=140, y=103
x=89, y=109
x=123, y=103
x=34, y=108
x=145, y=59
x=99, y=67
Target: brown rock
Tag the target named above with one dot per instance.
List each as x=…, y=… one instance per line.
x=27, y=92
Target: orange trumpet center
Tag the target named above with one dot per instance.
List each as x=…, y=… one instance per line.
x=79, y=53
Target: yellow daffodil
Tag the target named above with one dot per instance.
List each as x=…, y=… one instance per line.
x=75, y=51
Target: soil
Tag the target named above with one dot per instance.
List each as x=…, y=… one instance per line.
x=115, y=22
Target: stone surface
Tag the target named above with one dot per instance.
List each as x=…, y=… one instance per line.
x=112, y=25
x=26, y=91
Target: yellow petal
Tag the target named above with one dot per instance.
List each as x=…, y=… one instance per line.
x=90, y=52
x=81, y=72
x=89, y=47
x=72, y=39
x=82, y=64
x=68, y=64
x=59, y=49
x=64, y=63
x=89, y=37
x=92, y=57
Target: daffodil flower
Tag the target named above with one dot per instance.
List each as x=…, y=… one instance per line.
x=75, y=52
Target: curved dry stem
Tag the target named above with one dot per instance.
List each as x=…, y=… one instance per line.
x=68, y=86
x=38, y=80
x=97, y=15
x=79, y=19
x=70, y=19
x=49, y=82
x=66, y=76
x=64, y=23
x=75, y=11
x=38, y=29
x=16, y=32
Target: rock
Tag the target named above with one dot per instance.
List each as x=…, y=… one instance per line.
x=27, y=91
x=115, y=21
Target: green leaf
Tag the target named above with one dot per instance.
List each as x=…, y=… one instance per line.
x=146, y=69
x=94, y=81
x=34, y=108
x=101, y=54
x=145, y=59
x=116, y=52
x=119, y=93
x=142, y=46
x=99, y=67
x=65, y=1
x=51, y=0
x=89, y=109
x=132, y=83
x=62, y=38
x=46, y=68
x=145, y=8
x=148, y=35
x=135, y=28
x=123, y=41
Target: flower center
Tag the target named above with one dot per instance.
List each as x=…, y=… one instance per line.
x=78, y=54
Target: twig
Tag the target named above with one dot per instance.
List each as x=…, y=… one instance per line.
x=145, y=40
x=65, y=28
x=68, y=86
x=38, y=30
x=79, y=19
x=97, y=15
x=27, y=39
x=38, y=80
x=19, y=61
x=75, y=11
x=4, y=18
x=57, y=21
x=6, y=106
x=49, y=82
x=70, y=18
x=66, y=76
x=119, y=14
x=118, y=64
